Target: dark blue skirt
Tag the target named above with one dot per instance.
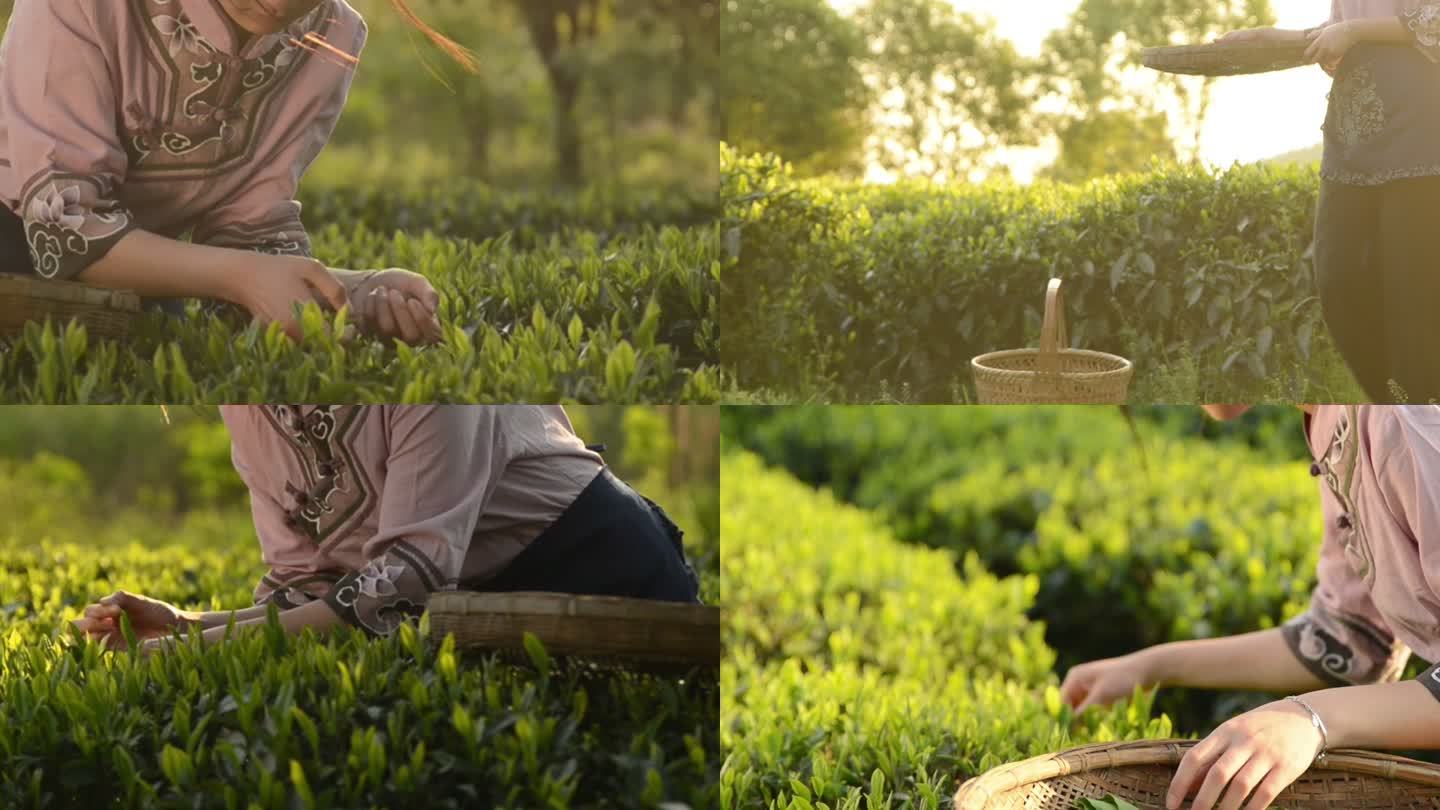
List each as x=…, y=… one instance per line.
x=14, y=252
x=611, y=541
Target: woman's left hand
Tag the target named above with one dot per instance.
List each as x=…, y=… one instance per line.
x=396, y=303
x=1328, y=45
x=1255, y=755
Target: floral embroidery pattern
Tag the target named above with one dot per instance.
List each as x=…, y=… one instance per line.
x=1424, y=25
x=377, y=580
x=60, y=228
x=182, y=35
x=1377, y=178
x=385, y=593
x=1360, y=113
x=220, y=97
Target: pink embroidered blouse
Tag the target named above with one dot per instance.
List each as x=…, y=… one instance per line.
x=125, y=114
x=1378, y=594
x=372, y=508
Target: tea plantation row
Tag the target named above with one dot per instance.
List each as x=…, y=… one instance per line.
x=868, y=293
x=466, y=210
x=862, y=671
x=276, y=722
x=581, y=316
x=1129, y=543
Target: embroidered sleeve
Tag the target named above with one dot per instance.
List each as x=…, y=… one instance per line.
x=441, y=472
x=265, y=216
x=64, y=150
x=1430, y=679
x=1342, y=638
x=1423, y=23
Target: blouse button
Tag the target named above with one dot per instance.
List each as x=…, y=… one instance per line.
x=1314, y=470
x=1343, y=522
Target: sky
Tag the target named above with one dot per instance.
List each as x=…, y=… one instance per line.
x=1251, y=117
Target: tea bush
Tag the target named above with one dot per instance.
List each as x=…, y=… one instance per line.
x=280, y=722
x=580, y=317
x=863, y=293
x=476, y=212
x=864, y=672
x=1190, y=539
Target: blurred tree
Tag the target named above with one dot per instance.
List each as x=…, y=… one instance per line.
x=1110, y=141
x=561, y=31
x=1092, y=64
x=951, y=89
x=792, y=84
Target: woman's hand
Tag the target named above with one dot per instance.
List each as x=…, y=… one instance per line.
x=1257, y=754
x=1100, y=683
x=270, y=288
x=1328, y=45
x=1272, y=35
x=394, y=303
x=149, y=618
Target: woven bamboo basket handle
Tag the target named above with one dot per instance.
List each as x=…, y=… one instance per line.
x=1052, y=329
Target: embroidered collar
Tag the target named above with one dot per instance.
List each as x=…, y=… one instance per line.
x=209, y=22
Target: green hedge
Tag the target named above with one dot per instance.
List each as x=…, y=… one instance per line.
x=1132, y=543
x=861, y=292
x=627, y=319
x=864, y=672
x=467, y=210
x=278, y=722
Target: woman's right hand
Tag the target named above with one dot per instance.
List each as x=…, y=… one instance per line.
x=1100, y=683
x=149, y=618
x=270, y=287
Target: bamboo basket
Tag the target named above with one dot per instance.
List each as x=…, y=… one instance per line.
x=1230, y=59
x=631, y=633
x=1051, y=374
x=103, y=313
x=1140, y=773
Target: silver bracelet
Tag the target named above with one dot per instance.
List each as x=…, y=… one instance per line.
x=1319, y=726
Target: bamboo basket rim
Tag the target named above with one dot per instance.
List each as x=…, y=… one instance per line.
x=978, y=792
x=1052, y=353
x=70, y=292
x=1240, y=57
x=547, y=603
x=982, y=363
x=634, y=634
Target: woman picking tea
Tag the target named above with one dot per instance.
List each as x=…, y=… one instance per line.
x=126, y=125
x=1376, y=601
x=363, y=511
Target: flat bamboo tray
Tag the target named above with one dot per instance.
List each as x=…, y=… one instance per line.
x=104, y=313
x=633, y=633
x=1230, y=59
x=1140, y=773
